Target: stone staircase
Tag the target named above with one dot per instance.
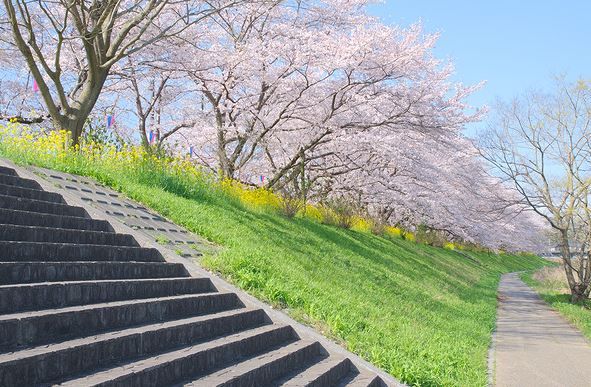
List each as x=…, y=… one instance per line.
x=81, y=305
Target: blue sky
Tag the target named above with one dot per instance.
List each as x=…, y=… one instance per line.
x=513, y=45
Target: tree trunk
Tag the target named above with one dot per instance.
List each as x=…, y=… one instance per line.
x=579, y=293
x=574, y=286
x=226, y=167
x=74, y=118
x=74, y=127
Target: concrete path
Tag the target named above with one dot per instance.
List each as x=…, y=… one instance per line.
x=535, y=346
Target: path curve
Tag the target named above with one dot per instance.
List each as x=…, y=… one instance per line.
x=534, y=345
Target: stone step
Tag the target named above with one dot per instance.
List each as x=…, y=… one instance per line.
x=192, y=361
x=57, y=361
x=28, y=329
x=39, y=206
x=327, y=371
x=262, y=369
x=362, y=379
x=27, y=218
x=18, y=181
x=82, y=305
x=31, y=272
x=36, y=194
x=10, y=232
x=51, y=252
x=7, y=171
x=49, y=295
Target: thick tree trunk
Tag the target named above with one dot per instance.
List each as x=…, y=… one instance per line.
x=579, y=288
x=74, y=119
x=566, y=259
x=226, y=167
x=74, y=127
x=579, y=292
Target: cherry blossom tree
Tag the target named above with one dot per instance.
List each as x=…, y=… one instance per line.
x=71, y=47
x=284, y=84
x=19, y=100
x=443, y=186
x=153, y=97
x=315, y=100
x=325, y=103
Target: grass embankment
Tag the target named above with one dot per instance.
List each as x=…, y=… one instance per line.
x=551, y=284
x=423, y=314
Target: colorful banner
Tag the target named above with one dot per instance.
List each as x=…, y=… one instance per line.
x=110, y=121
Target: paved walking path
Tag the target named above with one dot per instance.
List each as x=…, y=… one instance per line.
x=535, y=346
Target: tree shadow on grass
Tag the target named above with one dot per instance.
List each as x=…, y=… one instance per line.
x=371, y=257
x=384, y=255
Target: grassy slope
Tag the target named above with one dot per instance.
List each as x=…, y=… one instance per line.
x=423, y=314
x=554, y=294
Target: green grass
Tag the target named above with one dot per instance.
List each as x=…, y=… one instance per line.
x=423, y=314
x=555, y=294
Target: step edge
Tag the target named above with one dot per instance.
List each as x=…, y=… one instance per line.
x=5, y=318
x=107, y=281
x=45, y=349
x=271, y=356
x=170, y=356
x=45, y=228
x=44, y=202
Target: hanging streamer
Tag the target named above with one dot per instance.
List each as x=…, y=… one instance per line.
x=110, y=121
x=191, y=151
x=262, y=179
x=151, y=137
x=35, y=86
